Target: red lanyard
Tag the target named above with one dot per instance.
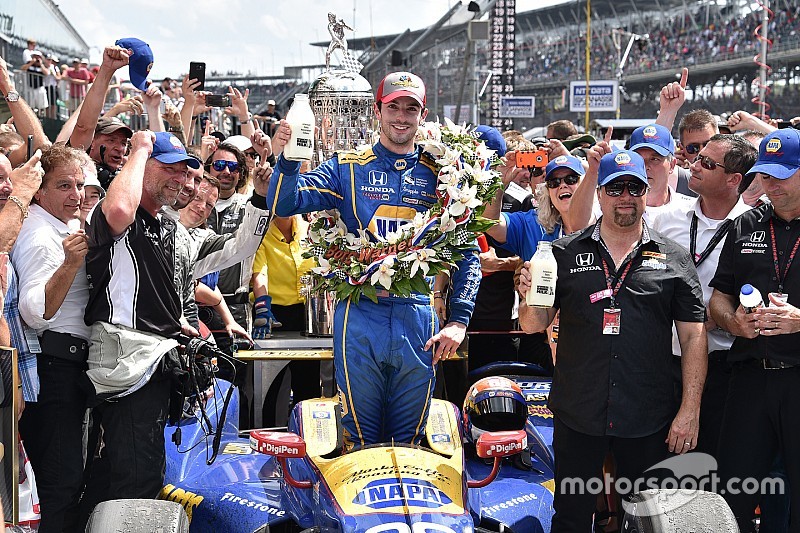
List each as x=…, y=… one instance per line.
x=617, y=282
x=780, y=276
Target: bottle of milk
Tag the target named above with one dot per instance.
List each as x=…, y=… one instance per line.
x=544, y=272
x=301, y=119
x=750, y=298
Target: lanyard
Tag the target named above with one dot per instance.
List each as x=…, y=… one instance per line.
x=775, y=262
x=722, y=230
x=617, y=282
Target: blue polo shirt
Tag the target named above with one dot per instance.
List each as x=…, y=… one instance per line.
x=523, y=233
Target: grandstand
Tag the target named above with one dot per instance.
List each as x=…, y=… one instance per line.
x=713, y=39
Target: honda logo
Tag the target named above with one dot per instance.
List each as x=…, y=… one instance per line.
x=757, y=236
x=378, y=178
x=584, y=260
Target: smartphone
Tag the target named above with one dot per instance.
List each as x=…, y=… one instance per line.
x=30, y=147
x=197, y=71
x=218, y=100
x=537, y=159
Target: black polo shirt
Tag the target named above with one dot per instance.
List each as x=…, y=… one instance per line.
x=131, y=275
x=747, y=258
x=620, y=385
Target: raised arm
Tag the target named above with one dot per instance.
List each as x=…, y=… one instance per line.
x=125, y=191
x=25, y=120
x=671, y=99
x=114, y=57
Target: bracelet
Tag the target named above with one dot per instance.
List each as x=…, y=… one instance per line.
x=438, y=297
x=23, y=209
x=195, y=117
x=437, y=293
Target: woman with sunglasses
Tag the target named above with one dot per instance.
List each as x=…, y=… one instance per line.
x=521, y=232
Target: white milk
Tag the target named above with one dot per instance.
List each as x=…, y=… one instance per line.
x=301, y=119
x=544, y=273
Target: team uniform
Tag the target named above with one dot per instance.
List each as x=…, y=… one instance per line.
x=378, y=348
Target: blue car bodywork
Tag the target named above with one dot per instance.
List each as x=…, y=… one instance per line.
x=399, y=489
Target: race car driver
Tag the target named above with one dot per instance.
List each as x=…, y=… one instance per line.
x=384, y=353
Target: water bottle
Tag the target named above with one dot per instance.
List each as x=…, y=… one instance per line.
x=544, y=273
x=301, y=119
x=750, y=298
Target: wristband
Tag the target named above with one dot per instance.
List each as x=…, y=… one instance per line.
x=437, y=293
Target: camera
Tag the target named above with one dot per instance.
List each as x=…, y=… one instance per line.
x=537, y=159
x=218, y=100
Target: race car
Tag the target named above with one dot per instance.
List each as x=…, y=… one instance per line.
x=490, y=480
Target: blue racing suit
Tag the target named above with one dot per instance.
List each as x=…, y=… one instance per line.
x=385, y=376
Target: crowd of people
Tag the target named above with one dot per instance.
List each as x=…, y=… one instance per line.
x=115, y=241
x=682, y=39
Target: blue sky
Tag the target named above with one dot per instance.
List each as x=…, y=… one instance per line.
x=258, y=35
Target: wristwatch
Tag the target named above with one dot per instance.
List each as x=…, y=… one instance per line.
x=249, y=118
x=12, y=96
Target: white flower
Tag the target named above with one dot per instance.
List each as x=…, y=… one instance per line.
x=454, y=129
x=448, y=177
x=430, y=131
x=315, y=237
x=463, y=200
x=323, y=268
x=338, y=231
x=446, y=222
x=356, y=242
x=449, y=157
x=435, y=149
x=420, y=219
x=384, y=273
x=484, y=153
x=421, y=259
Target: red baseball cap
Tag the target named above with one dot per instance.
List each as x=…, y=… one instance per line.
x=399, y=84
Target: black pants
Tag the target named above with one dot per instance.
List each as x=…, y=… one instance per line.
x=304, y=375
x=51, y=429
x=761, y=418
x=581, y=456
x=132, y=460
x=715, y=392
x=244, y=373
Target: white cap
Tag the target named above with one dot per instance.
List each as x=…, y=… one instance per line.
x=239, y=141
x=270, y=102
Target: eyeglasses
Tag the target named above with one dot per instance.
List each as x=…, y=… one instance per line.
x=708, y=163
x=554, y=183
x=220, y=164
x=694, y=148
x=251, y=155
x=635, y=188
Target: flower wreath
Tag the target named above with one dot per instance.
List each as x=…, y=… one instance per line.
x=352, y=265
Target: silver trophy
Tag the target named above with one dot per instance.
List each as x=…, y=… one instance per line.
x=342, y=102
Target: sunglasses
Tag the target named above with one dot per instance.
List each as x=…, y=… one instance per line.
x=635, y=188
x=554, y=183
x=708, y=163
x=220, y=164
x=251, y=155
x=694, y=148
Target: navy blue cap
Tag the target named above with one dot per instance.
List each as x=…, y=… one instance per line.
x=169, y=149
x=779, y=154
x=564, y=161
x=140, y=62
x=493, y=139
x=655, y=137
x=618, y=164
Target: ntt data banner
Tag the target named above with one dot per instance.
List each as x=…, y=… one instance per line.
x=603, y=95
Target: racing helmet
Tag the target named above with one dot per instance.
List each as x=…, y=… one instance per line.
x=493, y=404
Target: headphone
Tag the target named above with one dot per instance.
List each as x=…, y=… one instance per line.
x=104, y=173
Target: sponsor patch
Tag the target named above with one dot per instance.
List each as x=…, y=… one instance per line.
x=654, y=264
x=650, y=131
x=654, y=255
x=384, y=493
x=622, y=158
x=261, y=227
x=773, y=146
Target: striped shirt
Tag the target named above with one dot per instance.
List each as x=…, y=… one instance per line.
x=131, y=275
